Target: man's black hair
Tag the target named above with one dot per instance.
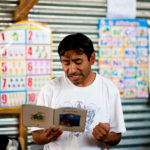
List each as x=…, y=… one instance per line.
x=77, y=42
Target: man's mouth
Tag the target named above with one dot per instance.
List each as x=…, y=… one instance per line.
x=74, y=77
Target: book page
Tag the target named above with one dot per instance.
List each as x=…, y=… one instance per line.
x=70, y=119
x=37, y=116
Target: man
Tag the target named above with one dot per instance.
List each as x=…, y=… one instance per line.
x=81, y=87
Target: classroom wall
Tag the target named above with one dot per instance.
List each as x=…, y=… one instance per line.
x=70, y=16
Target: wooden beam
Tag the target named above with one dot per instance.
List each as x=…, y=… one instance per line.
x=23, y=9
x=23, y=133
x=20, y=1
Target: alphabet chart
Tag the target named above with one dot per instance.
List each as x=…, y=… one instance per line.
x=25, y=63
x=123, y=55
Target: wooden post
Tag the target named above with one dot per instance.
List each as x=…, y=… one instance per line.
x=23, y=133
x=22, y=130
x=22, y=10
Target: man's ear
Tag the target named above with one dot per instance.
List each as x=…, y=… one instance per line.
x=92, y=59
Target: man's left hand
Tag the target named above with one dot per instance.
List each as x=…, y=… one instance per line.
x=100, y=131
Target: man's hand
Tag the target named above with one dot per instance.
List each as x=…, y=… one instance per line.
x=100, y=131
x=47, y=135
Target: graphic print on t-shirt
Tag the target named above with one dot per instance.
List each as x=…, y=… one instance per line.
x=91, y=111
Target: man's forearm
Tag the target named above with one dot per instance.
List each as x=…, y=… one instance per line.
x=112, y=138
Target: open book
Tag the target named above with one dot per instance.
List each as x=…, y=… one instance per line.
x=70, y=119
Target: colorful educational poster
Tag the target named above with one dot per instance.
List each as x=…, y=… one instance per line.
x=123, y=55
x=25, y=63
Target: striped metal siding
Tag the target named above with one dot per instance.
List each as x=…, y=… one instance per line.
x=9, y=125
x=7, y=7
x=71, y=16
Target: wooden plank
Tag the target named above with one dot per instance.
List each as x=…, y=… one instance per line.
x=10, y=111
x=20, y=1
x=23, y=9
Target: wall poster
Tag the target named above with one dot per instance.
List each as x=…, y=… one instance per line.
x=123, y=55
x=25, y=62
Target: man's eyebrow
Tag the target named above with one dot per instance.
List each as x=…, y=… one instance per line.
x=65, y=60
x=65, y=56
x=76, y=59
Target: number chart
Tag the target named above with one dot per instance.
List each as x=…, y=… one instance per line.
x=123, y=55
x=25, y=62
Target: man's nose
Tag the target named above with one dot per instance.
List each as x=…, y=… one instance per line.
x=72, y=68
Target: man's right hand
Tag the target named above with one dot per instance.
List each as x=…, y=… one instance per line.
x=47, y=135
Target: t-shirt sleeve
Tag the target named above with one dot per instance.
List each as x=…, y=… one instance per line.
x=117, y=123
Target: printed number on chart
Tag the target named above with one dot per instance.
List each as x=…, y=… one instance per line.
x=31, y=97
x=3, y=51
x=30, y=82
x=30, y=66
x=30, y=51
x=30, y=35
x=4, y=99
x=4, y=83
x=4, y=67
x=3, y=36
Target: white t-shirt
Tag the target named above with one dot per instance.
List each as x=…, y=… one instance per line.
x=102, y=101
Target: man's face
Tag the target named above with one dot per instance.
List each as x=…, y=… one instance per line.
x=77, y=67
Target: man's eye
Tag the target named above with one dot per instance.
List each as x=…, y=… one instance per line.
x=78, y=63
x=66, y=63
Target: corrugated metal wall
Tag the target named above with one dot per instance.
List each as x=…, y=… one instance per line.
x=70, y=16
